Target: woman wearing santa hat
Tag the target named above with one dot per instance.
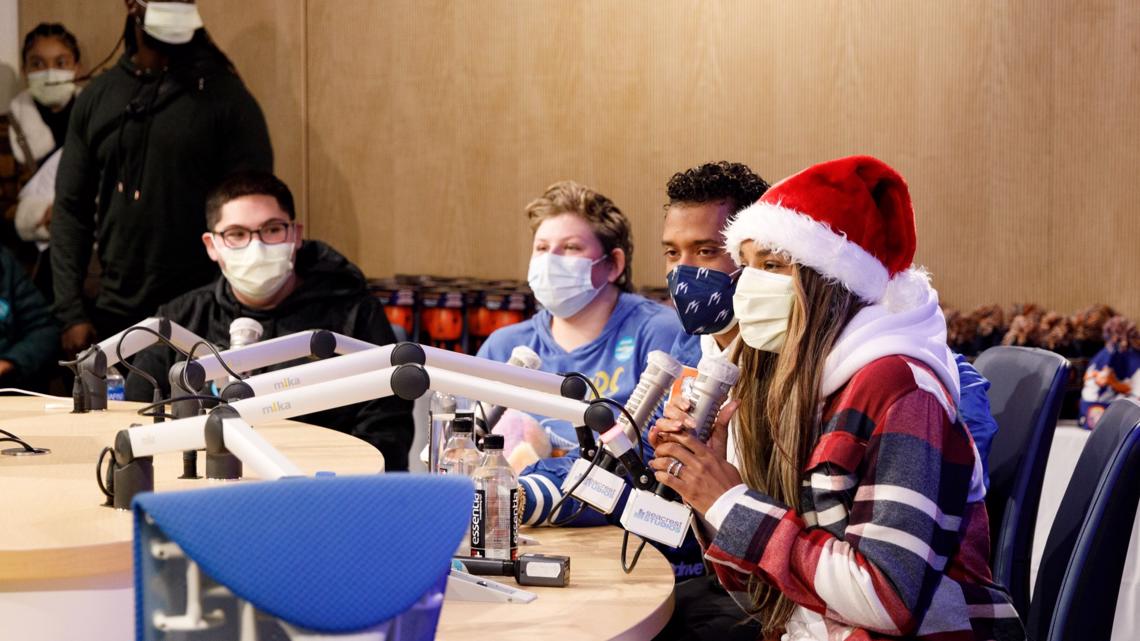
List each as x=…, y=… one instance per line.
x=857, y=511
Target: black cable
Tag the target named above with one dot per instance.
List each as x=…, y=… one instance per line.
x=486, y=428
x=561, y=501
x=589, y=382
x=99, y=67
x=137, y=370
x=27, y=448
x=593, y=463
x=636, y=555
x=99, y=472
x=188, y=397
x=221, y=361
x=629, y=417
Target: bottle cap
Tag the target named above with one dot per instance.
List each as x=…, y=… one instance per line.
x=493, y=442
x=463, y=424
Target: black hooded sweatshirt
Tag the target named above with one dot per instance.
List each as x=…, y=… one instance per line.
x=142, y=151
x=332, y=294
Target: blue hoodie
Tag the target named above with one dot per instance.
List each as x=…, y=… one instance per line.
x=614, y=360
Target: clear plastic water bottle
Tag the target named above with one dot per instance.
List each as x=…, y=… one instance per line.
x=460, y=456
x=116, y=387
x=494, y=531
x=442, y=413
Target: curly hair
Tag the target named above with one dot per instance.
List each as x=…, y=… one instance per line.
x=716, y=181
x=608, y=222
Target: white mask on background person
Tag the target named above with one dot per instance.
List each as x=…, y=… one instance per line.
x=257, y=270
x=52, y=87
x=763, y=305
x=171, y=22
x=563, y=284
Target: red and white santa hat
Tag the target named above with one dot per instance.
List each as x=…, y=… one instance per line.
x=849, y=219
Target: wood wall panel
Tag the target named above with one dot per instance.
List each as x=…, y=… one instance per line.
x=264, y=38
x=420, y=129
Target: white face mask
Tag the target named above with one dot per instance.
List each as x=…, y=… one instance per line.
x=171, y=22
x=563, y=284
x=257, y=271
x=52, y=87
x=763, y=304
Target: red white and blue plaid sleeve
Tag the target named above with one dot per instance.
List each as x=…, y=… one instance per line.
x=883, y=501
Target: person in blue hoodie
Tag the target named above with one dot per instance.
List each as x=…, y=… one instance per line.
x=591, y=322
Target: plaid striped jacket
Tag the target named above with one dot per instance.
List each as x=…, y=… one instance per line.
x=891, y=538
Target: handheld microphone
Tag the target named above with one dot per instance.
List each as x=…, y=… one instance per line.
x=602, y=489
x=661, y=370
x=521, y=356
x=659, y=515
x=245, y=331
x=548, y=570
x=715, y=378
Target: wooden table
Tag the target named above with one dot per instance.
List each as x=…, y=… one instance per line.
x=601, y=602
x=65, y=561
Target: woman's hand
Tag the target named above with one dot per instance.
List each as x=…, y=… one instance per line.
x=697, y=471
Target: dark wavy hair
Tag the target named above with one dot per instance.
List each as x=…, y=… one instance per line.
x=716, y=181
x=248, y=183
x=49, y=30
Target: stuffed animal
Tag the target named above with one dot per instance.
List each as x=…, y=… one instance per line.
x=524, y=440
x=1113, y=372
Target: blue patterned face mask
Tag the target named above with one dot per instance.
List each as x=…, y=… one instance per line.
x=703, y=298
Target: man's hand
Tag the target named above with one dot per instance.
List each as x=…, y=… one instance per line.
x=6, y=368
x=674, y=420
x=76, y=338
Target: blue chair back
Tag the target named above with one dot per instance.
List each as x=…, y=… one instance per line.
x=332, y=556
x=1027, y=386
x=1078, y=581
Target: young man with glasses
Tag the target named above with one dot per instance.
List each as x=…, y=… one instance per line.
x=288, y=285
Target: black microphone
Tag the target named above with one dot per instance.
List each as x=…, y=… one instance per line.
x=548, y=570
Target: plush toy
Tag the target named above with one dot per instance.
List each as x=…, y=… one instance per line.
x=1113, y=372
x=524, y=440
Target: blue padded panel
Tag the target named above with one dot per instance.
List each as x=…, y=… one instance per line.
x=1079, y=578
x=1027, y=386
x=328, y=554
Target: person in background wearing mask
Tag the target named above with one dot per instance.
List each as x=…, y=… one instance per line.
x=38, y=127
x=288, y=285
x=591, y=321
x=148, y=139
x=856, y=509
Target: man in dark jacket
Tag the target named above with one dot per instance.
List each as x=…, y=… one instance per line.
x=287, y=285
x=29, y=334
x=148, y=139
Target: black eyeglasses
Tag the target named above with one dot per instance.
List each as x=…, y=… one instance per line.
x=271, y=233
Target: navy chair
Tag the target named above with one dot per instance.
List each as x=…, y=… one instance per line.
x=1079, y=578
x=298, y=558
x=1027, y=386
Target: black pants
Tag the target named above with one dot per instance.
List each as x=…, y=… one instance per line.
x=703, y=610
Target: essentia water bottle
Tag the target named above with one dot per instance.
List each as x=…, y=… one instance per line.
x=460, y=456
x=494, y=513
